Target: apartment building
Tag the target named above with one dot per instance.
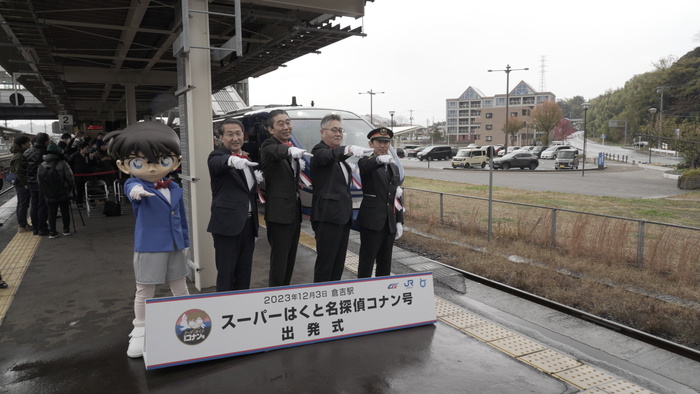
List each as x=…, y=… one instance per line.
x=475, y=117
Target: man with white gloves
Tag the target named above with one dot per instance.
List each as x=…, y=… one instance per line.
x=331, y=209
x=381, y=212
x=234, y=210
x=282, y=163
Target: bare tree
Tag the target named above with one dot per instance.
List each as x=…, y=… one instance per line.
x=546, y=117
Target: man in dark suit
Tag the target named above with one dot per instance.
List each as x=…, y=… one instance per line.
x=234, y=211
x=281, y=166
x=381, y=212
x=331, y=211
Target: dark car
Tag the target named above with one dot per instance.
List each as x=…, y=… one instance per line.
x=400, y=153
x=517, y=159
x=537, y=151
x=435, y=152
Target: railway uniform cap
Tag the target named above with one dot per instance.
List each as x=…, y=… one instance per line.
x=380, y=134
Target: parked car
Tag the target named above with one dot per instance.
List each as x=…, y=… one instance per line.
x=411, y=150
x=435, y=152
x=640, y=144
x=537, y=150
x=553, y=151
x=567, y=158
x=516, y=159
x=472, y=146
x=467, y=158
x=526, y=148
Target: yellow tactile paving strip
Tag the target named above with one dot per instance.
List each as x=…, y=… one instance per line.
x=549, y=361
x=14, y=261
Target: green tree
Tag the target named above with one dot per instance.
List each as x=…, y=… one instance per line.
x=546, y=117
x=571, y=108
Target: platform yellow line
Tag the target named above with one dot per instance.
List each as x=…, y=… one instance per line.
x=14, y=261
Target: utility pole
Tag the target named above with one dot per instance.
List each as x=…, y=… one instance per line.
x=371, y=96
x=411, y=118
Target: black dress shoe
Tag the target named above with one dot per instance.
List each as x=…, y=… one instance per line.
x=3, y=285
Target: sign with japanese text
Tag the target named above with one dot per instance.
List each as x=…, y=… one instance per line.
x=195, y=328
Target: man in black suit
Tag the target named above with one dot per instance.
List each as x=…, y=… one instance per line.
x=234, y=211
x=381, y=212
x=281, y=166
x=331, y=210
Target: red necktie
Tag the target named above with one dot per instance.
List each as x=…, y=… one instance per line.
x=288, y=143
x=162, y=184
x=242, y=155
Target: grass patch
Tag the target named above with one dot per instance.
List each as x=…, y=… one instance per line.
x=592, y=265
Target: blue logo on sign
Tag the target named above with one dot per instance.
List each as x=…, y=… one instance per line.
x=408, y=284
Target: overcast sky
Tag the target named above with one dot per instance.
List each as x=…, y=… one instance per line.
x=422, y=52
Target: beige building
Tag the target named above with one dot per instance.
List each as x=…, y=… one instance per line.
x=475, y=117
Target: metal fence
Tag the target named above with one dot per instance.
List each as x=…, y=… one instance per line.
x=666, y=248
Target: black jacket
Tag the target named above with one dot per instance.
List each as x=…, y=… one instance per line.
x=55, y=178
x=16, y=164
x=32, y=159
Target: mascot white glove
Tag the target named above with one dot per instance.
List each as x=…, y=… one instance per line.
x=399, y=192
x=137, y=192
x=357, y=151
x=384, y=159
x=399, y=230
x=240, y=163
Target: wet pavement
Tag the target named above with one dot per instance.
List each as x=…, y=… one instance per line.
x=67, y=317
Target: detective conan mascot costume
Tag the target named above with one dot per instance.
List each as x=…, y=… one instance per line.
x=149, y=151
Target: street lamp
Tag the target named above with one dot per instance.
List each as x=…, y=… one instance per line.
x=371, y=96
x=391, y=113
x=652, y=111
x=585, y=131
x=507, y=71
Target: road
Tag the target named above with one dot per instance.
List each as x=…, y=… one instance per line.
x=637, y=155
x=617, y=180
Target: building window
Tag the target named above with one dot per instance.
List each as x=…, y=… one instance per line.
x=451, y=113
x=541, y=99
x=463, y=113
x=489, y=115
x=526, y=112
x=514, y=101
x=501, y=102
x=475, y=112
x=452, y=104
x=528, y=100
x=463, y=104
x=513, y=114
x=475, y=104
x=489, y=127
x=489, y=138
x=487, y=103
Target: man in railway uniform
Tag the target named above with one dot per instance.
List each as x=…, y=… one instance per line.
x=149, y=151
x=234, y=210
x=381, y=212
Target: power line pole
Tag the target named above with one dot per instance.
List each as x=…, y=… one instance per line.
x=371, y=96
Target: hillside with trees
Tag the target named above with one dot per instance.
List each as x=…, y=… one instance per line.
x=673, y=89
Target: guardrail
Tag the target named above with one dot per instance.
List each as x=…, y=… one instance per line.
x=647, y=244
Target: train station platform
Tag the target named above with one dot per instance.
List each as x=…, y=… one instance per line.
x=66, y=317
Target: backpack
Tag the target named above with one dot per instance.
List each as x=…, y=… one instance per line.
x=112, y=209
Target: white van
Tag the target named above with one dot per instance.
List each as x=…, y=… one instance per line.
x=467, y=158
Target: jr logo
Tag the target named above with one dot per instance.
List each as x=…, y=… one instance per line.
x=408, y=284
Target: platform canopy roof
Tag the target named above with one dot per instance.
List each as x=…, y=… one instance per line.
x=77, y=56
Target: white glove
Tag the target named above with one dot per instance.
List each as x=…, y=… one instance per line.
x=295, y=152
x=240, y=163
x=399, y=192
x=258, y=176
x=186, y=252
x=357, y=151
x=384, y=159
x=137, y=192
x=399, y=230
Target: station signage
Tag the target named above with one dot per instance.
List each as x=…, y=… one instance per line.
x=196, y=328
